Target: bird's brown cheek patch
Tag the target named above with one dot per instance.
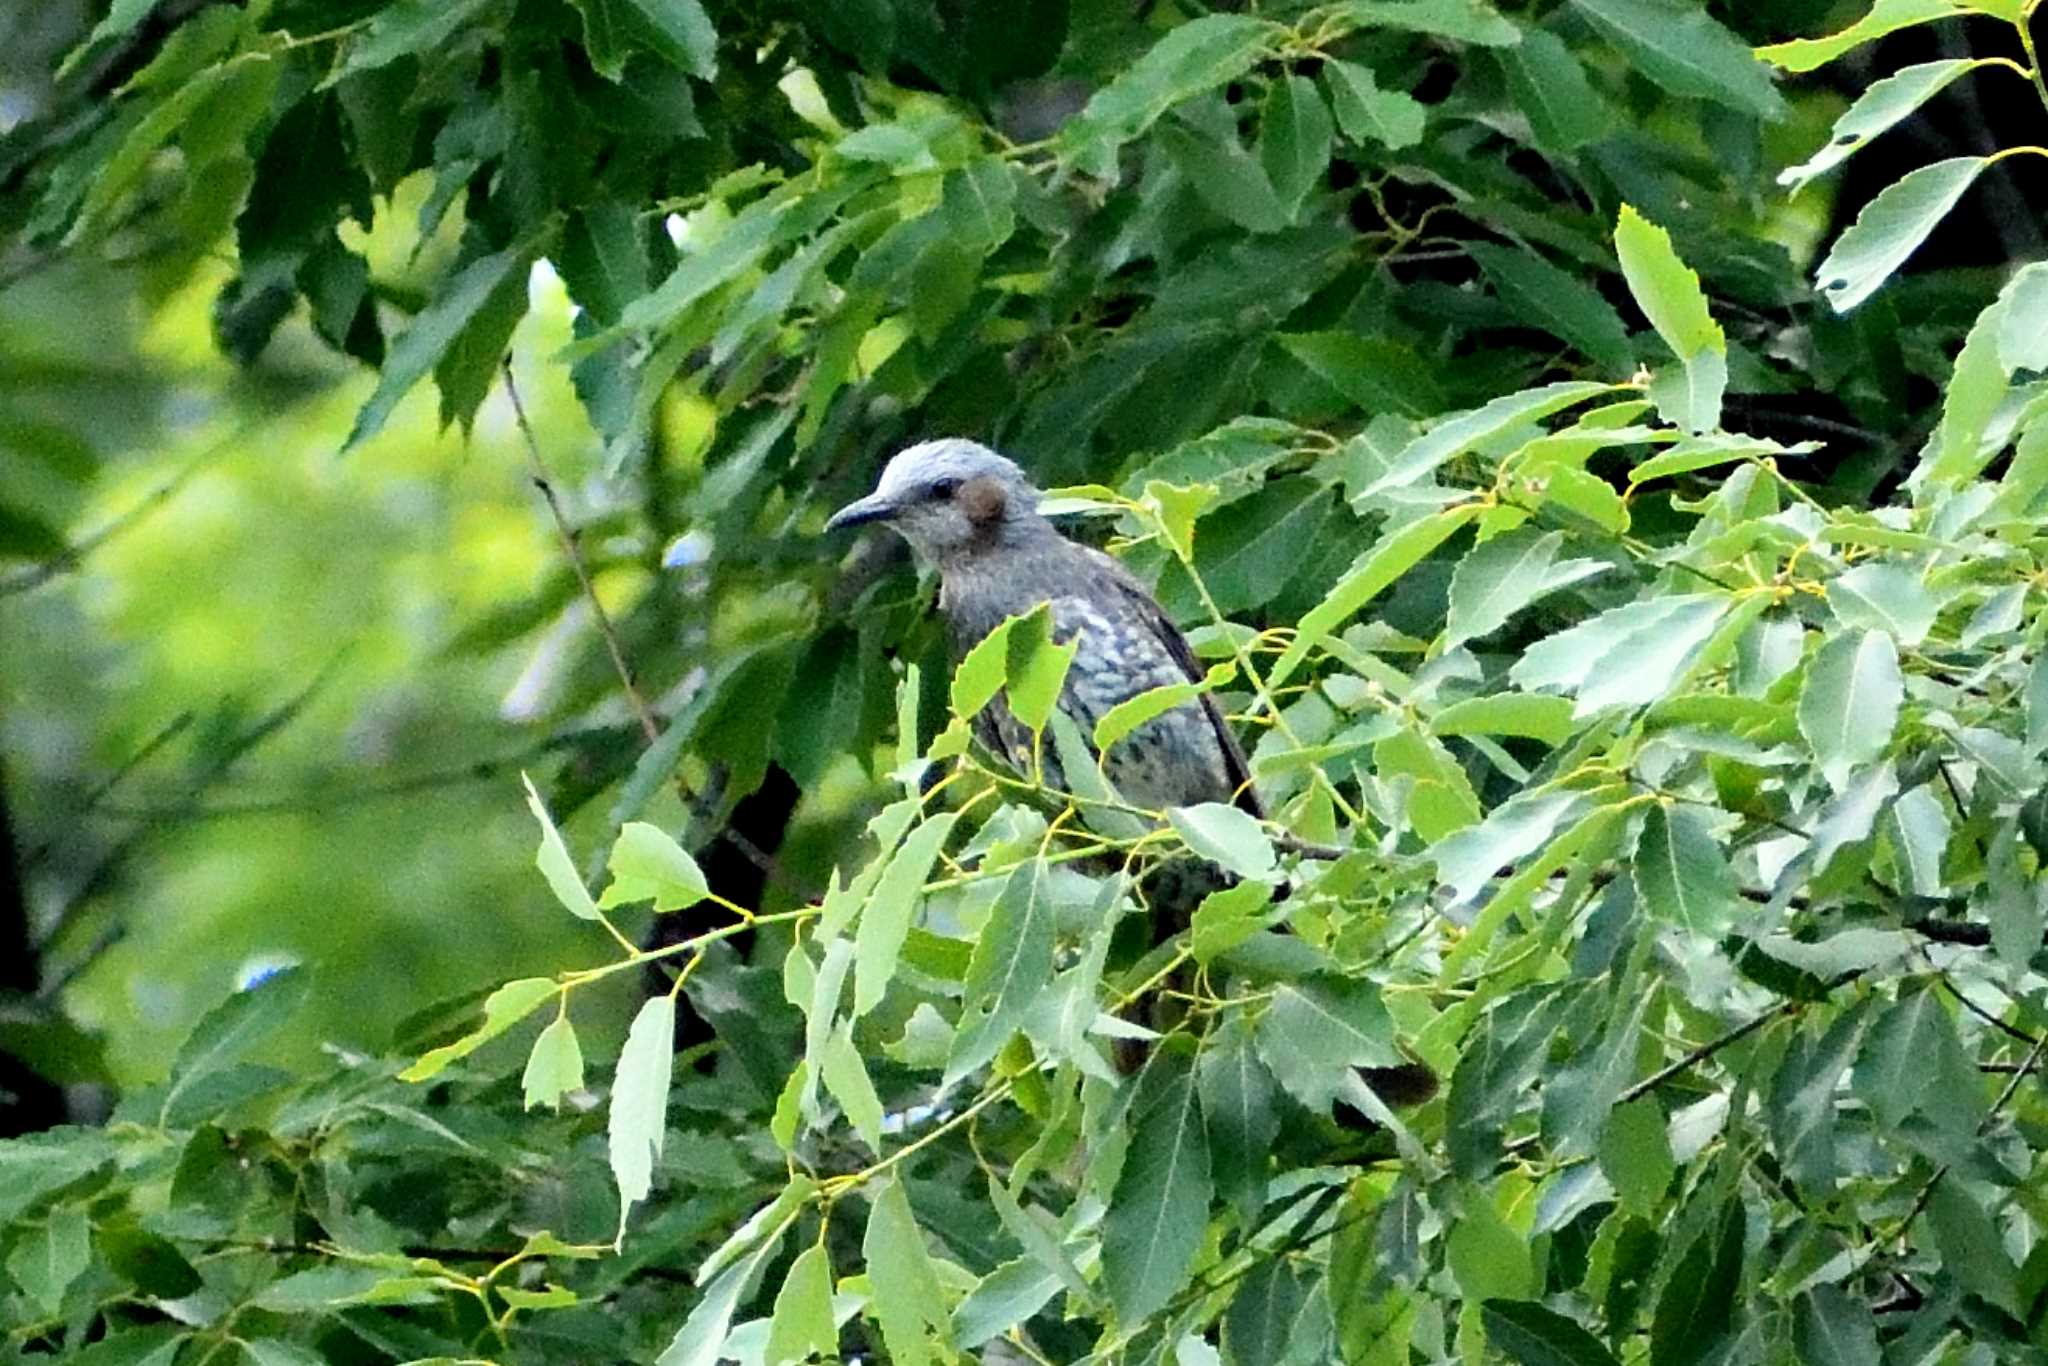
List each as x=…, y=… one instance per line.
x=982, y=499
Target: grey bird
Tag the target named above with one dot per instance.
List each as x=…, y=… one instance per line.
x=973, y=516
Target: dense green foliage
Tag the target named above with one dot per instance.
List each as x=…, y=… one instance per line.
x=1667, y=779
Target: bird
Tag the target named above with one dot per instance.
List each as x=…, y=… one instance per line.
x=973, y=515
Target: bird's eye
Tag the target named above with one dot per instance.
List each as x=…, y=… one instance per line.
x=944, y=488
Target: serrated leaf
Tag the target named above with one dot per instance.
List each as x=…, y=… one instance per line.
x=1882, y=596
x=639, y=1109
x=1314, y=1032
x=1380, y=376
x=1688, y=52
x=1891, y=227
x=1635, y=1154
x=885, y=919
x=1195, y=56
x=555, y=1067
x=1392, y=556
x=506, y=1006
x=45, y=1262
x=1160, y=1207
x=226, y=1034
x=1849, y=703
x=1468, y=860
x=1628, y=656
x=1365, y=111
x=1557, y=301
x=647, y=865
x=1886, y=16
x=404, y=29
x=912, y=1309
x=1294, y=140
x=1681, y=874
x=1670, y=296
x=1226, y=836
x=2023, y=334
x=1532, y=1335
x=1012, y=964
x=1239, y=1113
x=1883, y=104
x=1498, y=578
x=555, y=863
x=702, y=1335
x=433, y=329
x=1460, y=432
x=1467, y=21
x=846, y=1077
x=1835, y=1330
x=1550, y=87
x=1226, y=177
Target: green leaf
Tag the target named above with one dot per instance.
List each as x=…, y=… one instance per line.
x=1971, y=1246
x=1680, y=872
x=433, y=330
x=469, y=365
x=1912, y=1063
x=555, y=1067
x=980, y=673
x=1532, y=1335
x=1517, y=828
x=639, y=1110
x=1224, y=919
x=554, y=861
x=1849, y=703
x=1294, y=140
x=1035, y=668
x=1671, y=298
x=1886, y=16
x=408, y=28
x=1366, y=112
x=916, y=1328
x=700, y=1340
x=1226, y=836
x=1196, y=56
x=1315, y=1031
x=1380, y=376
x=1835, y=1330
x=1012, y=965
x=1557, y=301
x=885, y=919
x=1891, y=227
x=1698, y=1310
x=1226, y=177
x=1131, y=713
x=1628, y=656
x=1882, y=596
x=1880, y=106
x=647, y=865
x=1487, y=1258
x=506, y=1006
x=1441, y=799
x=2023, y=336
x=1635, y=1153
x=846, y=1077
x=1682, y=48
x=227, y=1033
x=1459, y=433
x=1392, y=556
x=1548, y=719
x=1239, y=1112
x=46, y=1262
x=1500, y=577
x=677, y=32
x=1549, y=86
x=1467, y=21
x=1160, y=1207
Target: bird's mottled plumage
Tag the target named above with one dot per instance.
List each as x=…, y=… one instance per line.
x=974, y=516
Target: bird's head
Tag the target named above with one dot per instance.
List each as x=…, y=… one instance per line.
x=948, y=497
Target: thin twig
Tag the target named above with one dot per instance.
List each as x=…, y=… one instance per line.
x=73, y=555
x=571, y=547
x=148, y=750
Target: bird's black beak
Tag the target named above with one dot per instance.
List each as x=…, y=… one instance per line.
x=873, y=508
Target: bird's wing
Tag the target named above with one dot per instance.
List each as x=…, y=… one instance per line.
x=1148, y=611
